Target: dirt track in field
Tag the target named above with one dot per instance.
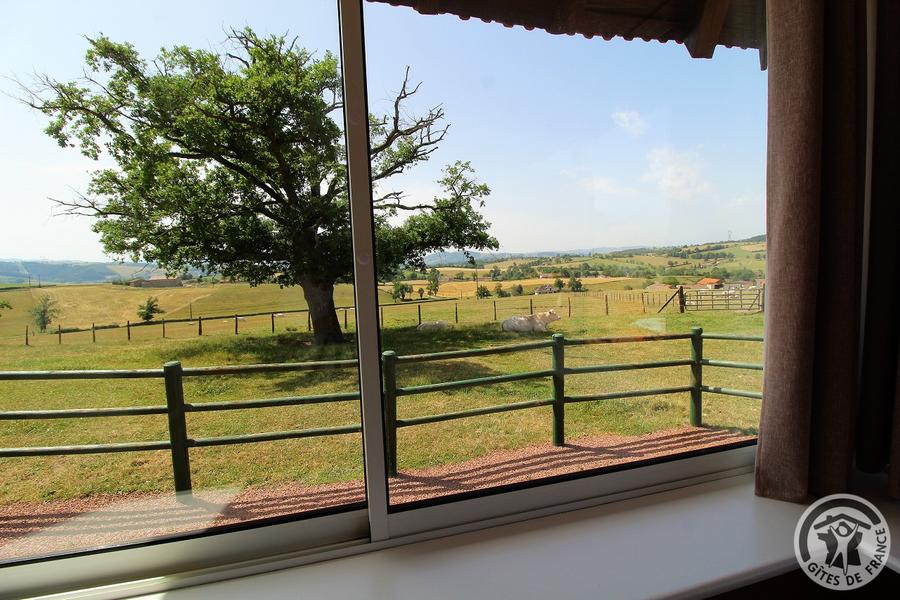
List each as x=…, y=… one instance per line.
x=35, y=529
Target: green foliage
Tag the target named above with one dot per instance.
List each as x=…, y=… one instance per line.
x=459, y=276
x=744, y=274
x=4, y=305
x=232, y=162
x=421, y=292
x=44, y=312
x=400, y=290
x=558, y=284
x=149, y=309
x=575, y=284
x=434, y=282
x=482, y=292
x=517, y=289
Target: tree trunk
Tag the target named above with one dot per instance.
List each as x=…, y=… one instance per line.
x=320, y=299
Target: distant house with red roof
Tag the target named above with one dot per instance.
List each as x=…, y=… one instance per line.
x=709, y=283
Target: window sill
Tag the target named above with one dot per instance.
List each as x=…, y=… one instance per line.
x=691, y=541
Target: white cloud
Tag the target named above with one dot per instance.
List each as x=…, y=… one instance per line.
x=630, y=120
x=676, y=175
x=607, y=187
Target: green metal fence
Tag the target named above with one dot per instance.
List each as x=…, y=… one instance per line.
x=557, y=373
x=176, y=408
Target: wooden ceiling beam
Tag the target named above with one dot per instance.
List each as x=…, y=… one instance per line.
x=701, y=41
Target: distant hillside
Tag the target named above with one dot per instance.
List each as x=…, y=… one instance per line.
x=18, y=271
x=454, y=259
x=458, y=259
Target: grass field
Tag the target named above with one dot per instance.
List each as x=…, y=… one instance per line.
x=466, y=289
x=338, y=458
x=82, y=305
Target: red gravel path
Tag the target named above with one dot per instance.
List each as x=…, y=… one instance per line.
x=39, y=528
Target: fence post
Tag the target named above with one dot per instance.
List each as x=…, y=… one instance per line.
x=345, y=319
x=696, y=410
x=273, y=322
x=531, y=306
x=419, y=307
x=128, y=329
x=26, y=335
x=495, y=310
x=570, y=305
x=308, y=320
x=681, y=300
x=93, y=333
x=643, y=304
x=456, y=313
x=164, y=327
x=59, y=332
x=181, y=465
x=199, y=326
x=606, y=303
x=235, y=325
x=382, y=316
x=559, y=390
x=389, y=373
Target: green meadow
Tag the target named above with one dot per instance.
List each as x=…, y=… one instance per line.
x=339, y=458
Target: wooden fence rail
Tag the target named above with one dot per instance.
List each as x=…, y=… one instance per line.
x=177, y=408
x=407, y=313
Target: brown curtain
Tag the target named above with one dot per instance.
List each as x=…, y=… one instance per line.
x=822, y=406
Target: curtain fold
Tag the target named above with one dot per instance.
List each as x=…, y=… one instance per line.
x=816, y=417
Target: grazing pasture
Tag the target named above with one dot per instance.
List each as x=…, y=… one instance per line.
x=338, y=458
x=103, y=304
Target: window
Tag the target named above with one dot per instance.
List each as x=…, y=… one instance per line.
x=612, y=263
x=580, y=192
x=191, y=366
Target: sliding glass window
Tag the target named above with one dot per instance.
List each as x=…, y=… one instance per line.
x=177, y=319
x=571, y=238
x=522, y=263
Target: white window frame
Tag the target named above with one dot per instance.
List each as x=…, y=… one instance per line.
x=160, y=565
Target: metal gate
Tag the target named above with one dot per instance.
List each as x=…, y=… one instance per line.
x=725, y=299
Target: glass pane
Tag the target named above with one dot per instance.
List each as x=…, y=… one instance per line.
x=192, y=157
x=593, y=203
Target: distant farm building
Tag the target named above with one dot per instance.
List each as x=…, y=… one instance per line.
x=545, y=289
x=157, y=281
x=710, y=283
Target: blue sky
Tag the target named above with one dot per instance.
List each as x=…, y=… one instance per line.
x=584, y=143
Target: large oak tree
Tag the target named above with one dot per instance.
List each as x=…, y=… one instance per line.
x=233, y=162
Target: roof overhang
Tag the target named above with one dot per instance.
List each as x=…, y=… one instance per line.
x=700, y=25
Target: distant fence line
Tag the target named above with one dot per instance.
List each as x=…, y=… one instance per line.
x=176, y=408
x=484, y=310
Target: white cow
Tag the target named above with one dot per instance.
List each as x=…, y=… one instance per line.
x=434, y=326
x=530, y=323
